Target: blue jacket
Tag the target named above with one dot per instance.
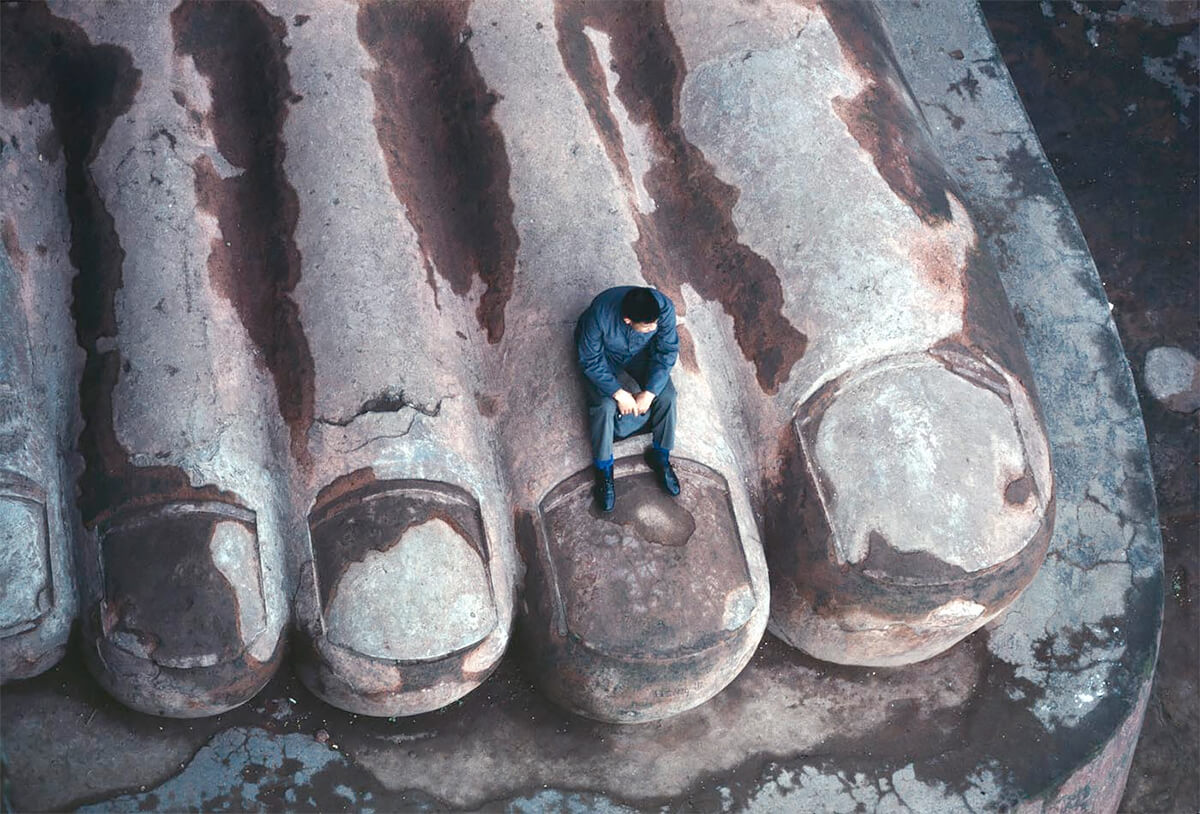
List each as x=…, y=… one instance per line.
x=606, y=345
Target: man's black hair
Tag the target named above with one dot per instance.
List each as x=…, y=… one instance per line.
x=640, y=305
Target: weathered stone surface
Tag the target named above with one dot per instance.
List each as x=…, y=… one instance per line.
x=399, y=180
x=172, y=405
x=575, y=228
x=406, y=597
x=37, y=405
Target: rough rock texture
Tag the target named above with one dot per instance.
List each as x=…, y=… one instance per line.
x=1114, y=93
x=171, y=431
x=1040, y=710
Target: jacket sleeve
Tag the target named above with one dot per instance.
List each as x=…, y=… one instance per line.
x=590, y=348
x=664, y=349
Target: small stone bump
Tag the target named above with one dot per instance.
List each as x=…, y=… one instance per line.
x=1172, y=376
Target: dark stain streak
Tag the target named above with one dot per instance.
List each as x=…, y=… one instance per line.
x=687, y=350
x=968, y=83
x=690, y=237
x=255, y=264
x=168, y=135
x=444, y=151
x=300, y=19
x=50, y=60
x=911, y=567
x=487, y=404
x=12, y=245
x=956, y=121
x=880, y=120
x=48, y=145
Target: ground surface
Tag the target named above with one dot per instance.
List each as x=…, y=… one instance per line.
x=1111, y=91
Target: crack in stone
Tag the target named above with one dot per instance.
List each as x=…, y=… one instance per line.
x=375, y=438
x=387, y=401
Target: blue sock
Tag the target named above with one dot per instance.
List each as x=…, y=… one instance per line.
x=664, y=455
x=604, y=466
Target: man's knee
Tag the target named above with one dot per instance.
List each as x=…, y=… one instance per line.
x=667, y=395
x=606, y=408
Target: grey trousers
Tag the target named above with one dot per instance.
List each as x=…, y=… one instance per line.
x=605, y=424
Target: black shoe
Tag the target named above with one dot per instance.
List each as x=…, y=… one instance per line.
x=606, y=490
x=666, y=472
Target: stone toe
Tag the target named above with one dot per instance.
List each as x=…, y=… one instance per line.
x=931, y=477
x=182, y=610
x=408, y=619
x=643, y=612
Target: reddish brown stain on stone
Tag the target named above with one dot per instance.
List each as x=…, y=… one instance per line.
x=585, y=69
x=444, y=151
x=934, y=256
x=12, y=244
x=687, y=350
x=47, y=59
x=255, y=264
x=344, y=485
x=879, y=118
x=690, y=237
x=487, y=404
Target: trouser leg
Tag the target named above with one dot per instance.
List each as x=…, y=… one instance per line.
x=662, y=417
x=601, y=425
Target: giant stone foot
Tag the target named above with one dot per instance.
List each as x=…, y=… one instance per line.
x=295, y=287
x=353, y=383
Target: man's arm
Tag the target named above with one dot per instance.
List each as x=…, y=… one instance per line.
x=590, y=349
x=664, y=349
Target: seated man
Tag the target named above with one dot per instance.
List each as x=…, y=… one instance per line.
x=633, y=330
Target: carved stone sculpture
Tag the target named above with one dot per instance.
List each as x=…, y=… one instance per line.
x=292, y=300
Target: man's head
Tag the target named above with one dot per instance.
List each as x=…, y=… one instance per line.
x=639, y=310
